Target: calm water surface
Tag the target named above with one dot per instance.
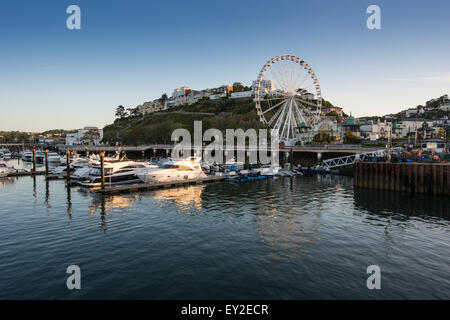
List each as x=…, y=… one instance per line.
x=287, y=238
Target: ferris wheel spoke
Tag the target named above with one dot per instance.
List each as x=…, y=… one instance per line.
x=271, y=108
x=290, y=76
x=275, y=116
x=280, y=73
x=276, y=79
x=287, y=123
x=300, y=114
x=304, y=89
x=307, y=76
x=281, y=117
x=294, y=122
x=306, y=102
x=299, y=74
x=272, y=99
x=293, y=69
x=286, y=74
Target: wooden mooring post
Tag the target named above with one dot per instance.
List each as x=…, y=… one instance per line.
x=34, y=159
x=68, y=165
x=102, y=168
x=46, y=162
x=425, y=178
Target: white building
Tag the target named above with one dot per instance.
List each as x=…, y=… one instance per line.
x=179, y=92
x=414, y=112
x=406, y=127
x=307, y=96
x=72, y=139
x=217, y=96
x=375, y=130
x=87, y=135
x=242, y=94
x=266, y=85
x=445, y=107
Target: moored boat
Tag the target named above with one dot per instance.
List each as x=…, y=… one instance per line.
x=116, y=173
x=186, y=169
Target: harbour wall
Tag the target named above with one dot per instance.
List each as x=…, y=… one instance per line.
x=421, y=178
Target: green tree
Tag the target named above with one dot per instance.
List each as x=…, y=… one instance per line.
x=350, y=138
x=163, y=98
x=322, y=137
x=238, y=87
x=120, y=112
x=91, y=136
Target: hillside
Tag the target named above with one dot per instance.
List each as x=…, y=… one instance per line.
x=157, y=127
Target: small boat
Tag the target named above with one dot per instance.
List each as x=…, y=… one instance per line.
x=5, y=154
x=267, y=170
x=3, y=173
x=232, y=164
x=27, y=156
x=53, y=157
x=40, y=156
x=7, y=169
x=285, y=173
x=185, y=169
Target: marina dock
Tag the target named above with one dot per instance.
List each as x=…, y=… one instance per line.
x=152, y=186
x=19, y=173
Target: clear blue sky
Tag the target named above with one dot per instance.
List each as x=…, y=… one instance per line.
x=128, y=52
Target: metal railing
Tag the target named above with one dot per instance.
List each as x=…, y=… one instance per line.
x=351, y=159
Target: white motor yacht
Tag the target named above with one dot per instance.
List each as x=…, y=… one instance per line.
x=40, y=156
x=53, y=157
x=27, y=156
x=5, y=154
x=75, y=164
x=116, y=173
x=174, y=171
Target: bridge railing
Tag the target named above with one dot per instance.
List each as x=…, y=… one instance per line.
x=351, y=159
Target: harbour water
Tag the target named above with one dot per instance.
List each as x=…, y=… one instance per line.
x=284, y=238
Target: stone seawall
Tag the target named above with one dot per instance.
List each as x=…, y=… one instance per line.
x=426, y=178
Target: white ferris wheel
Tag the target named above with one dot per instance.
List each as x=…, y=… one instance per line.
x=288, y=96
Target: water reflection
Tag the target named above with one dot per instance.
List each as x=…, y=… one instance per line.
x=69, y=202
x=34, y=187
x=47, y=194
x=187, y=200
x=287, y=235
x=286, y=212
x=286, y=223
x=103, y=225
x=4, y=181
x=110, y=203
x=402, y=205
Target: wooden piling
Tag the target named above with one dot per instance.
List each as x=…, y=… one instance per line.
x=34, y=159
x=68, y=165
x=102, y=168
x=46, y=162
